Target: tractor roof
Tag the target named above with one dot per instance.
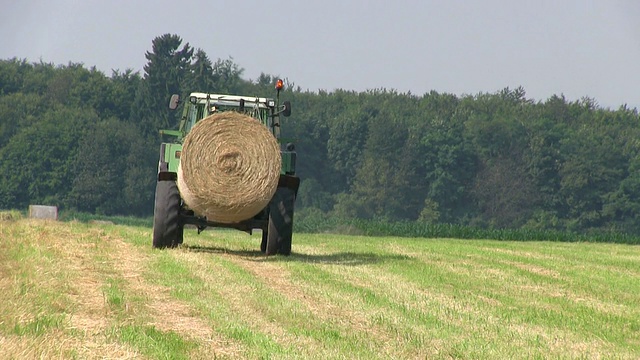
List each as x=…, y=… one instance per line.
x=230, y=100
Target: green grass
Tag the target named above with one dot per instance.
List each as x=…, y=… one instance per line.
x=39, y=325
x=154, y=343
x=77, y=290
x=10, y=215
x=114, y=294
x=416, y=229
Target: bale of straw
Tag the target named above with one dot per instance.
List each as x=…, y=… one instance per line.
x=229, y=167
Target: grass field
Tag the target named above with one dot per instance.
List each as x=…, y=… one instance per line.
x=81, y=291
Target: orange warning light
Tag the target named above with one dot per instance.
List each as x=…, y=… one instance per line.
x=279, y=84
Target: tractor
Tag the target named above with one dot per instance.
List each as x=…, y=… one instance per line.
x=171, y=214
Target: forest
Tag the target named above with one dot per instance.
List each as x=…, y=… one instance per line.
x=74, y=137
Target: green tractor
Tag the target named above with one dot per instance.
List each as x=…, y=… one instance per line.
x=171, y=214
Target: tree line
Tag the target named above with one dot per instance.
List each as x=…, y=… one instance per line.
x=74, y=137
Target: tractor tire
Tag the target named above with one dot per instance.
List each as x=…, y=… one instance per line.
x=280, y=222
x=167, y=230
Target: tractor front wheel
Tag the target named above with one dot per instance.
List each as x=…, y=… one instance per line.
x=167, y=230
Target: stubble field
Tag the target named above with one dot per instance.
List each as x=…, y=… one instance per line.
x=94, y=291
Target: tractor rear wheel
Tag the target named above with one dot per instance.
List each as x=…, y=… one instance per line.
x=167, y=230
x=280, y=230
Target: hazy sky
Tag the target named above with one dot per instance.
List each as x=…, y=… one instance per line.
x=573, y=47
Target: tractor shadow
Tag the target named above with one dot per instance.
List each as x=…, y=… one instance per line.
x=338, y=258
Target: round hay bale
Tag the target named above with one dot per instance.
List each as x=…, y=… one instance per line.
x=229, y=167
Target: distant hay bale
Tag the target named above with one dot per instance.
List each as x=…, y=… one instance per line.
x=229, y=167
x=43, y=212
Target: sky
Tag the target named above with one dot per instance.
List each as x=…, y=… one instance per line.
x=575, y=48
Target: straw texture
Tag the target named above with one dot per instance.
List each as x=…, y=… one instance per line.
x=229, y=167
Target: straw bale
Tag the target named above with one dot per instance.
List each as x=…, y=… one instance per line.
x=229, y=167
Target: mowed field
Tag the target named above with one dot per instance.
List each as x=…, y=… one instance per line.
x=91, y=291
